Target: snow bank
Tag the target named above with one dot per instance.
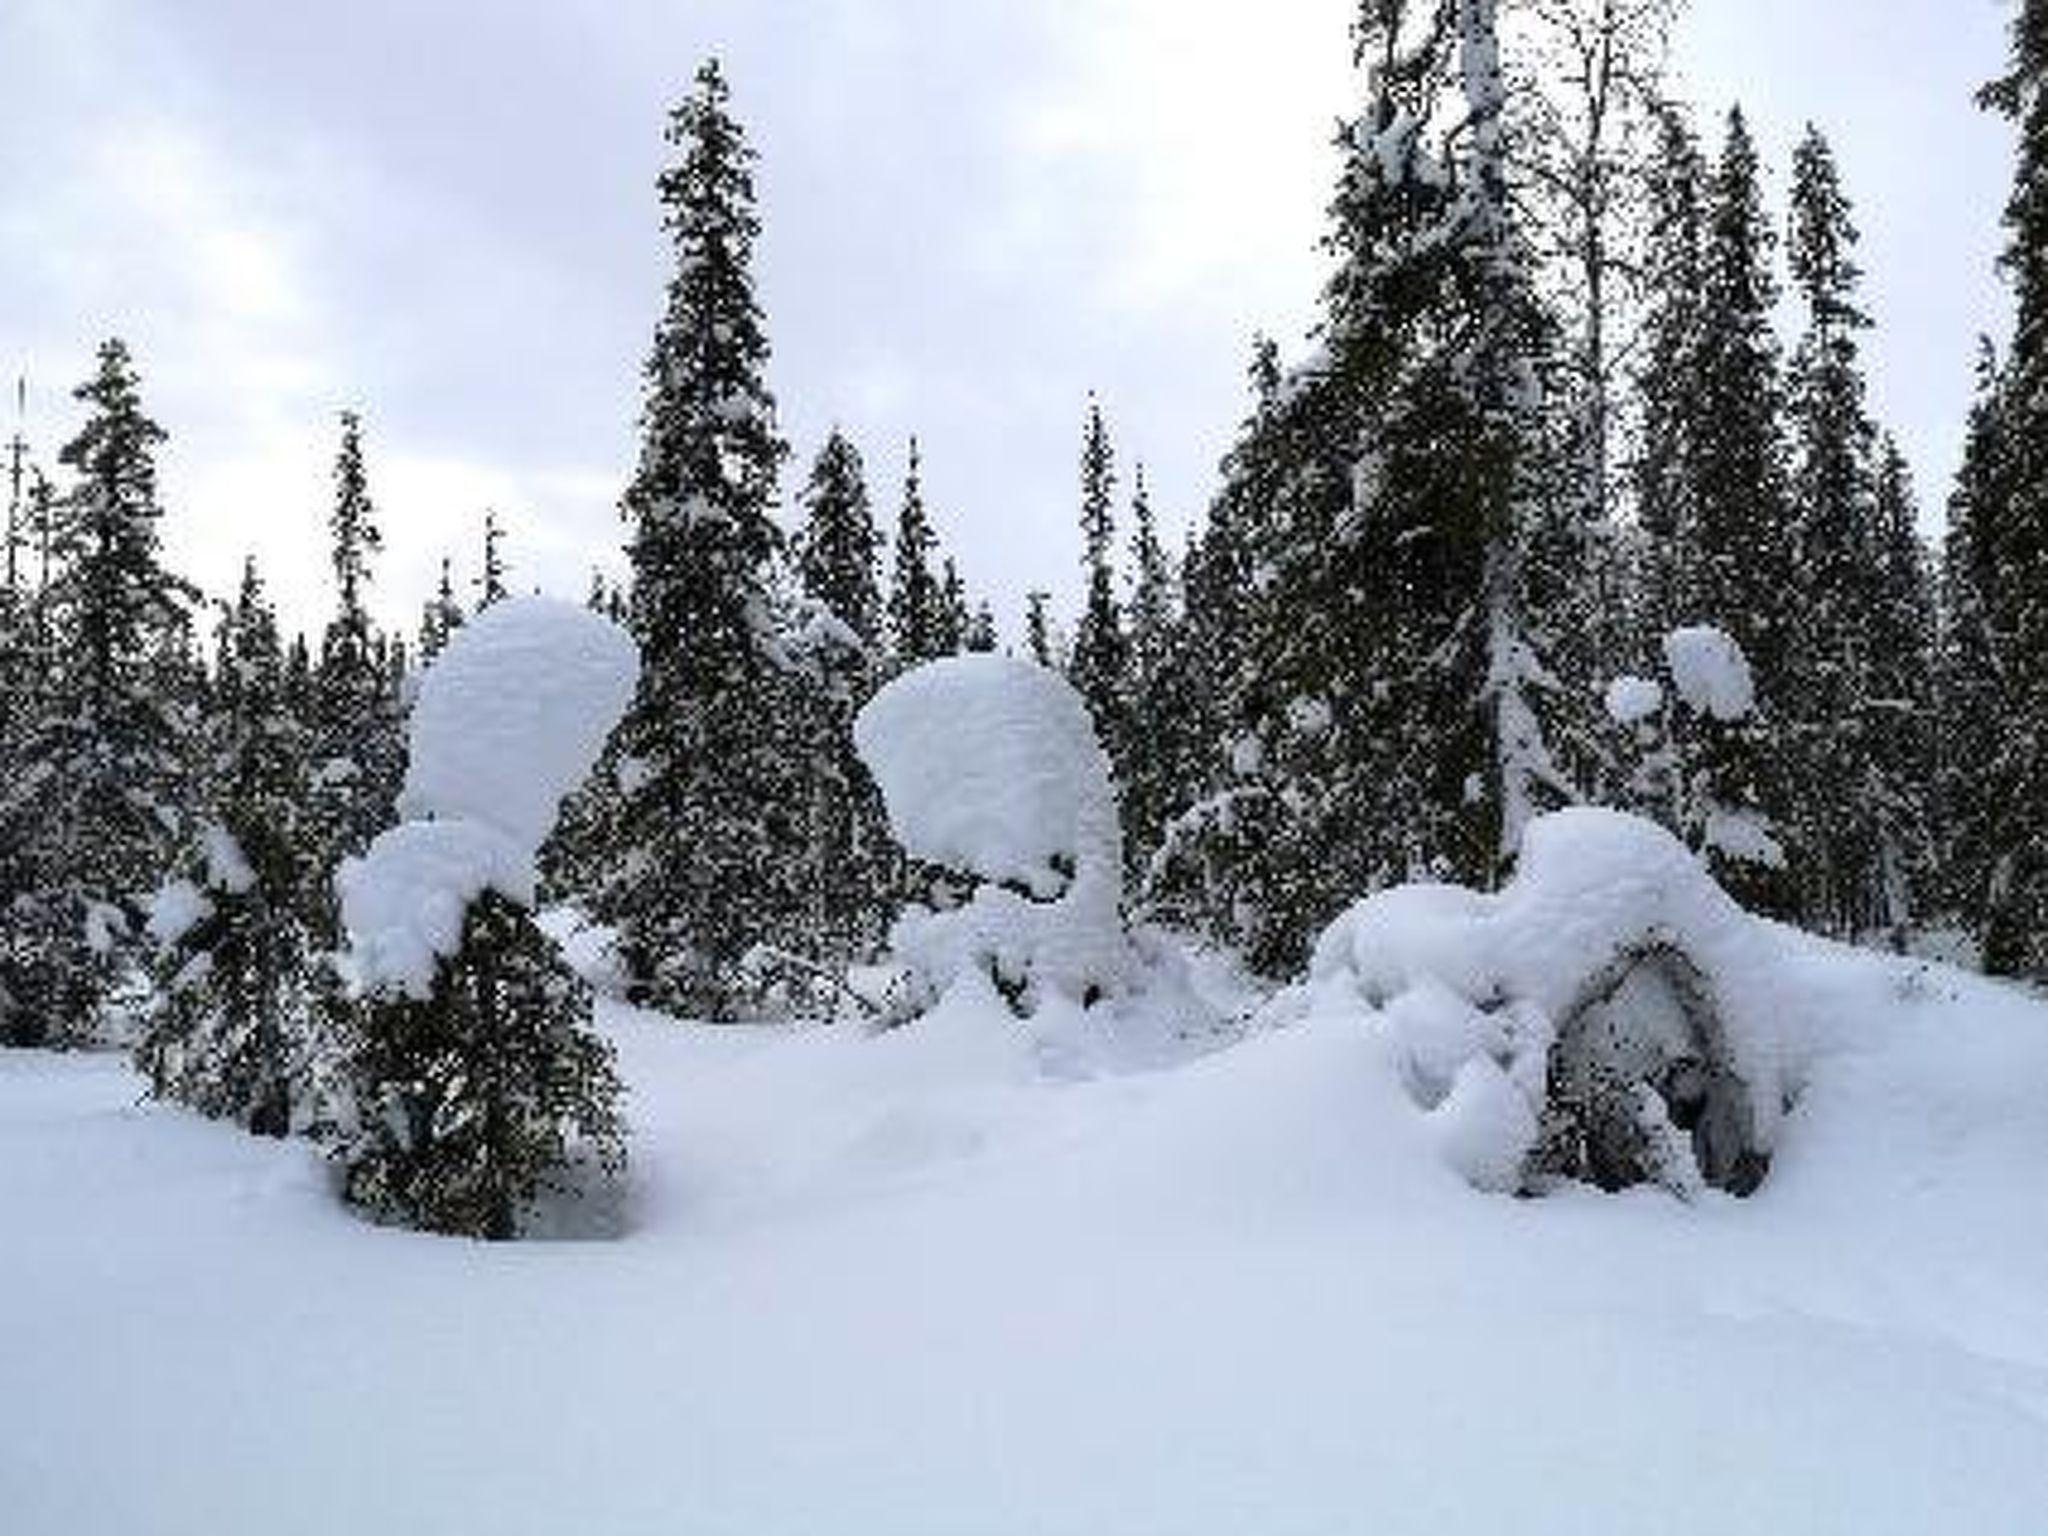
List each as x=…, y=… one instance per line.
x=989, y=765
x=513, y=713
x=509, y=720
x=1611, y=932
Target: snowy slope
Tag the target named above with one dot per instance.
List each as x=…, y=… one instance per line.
x=920, y=1283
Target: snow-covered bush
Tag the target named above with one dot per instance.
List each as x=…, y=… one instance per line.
x=990, y=769
x=1610, y=1015
x=472, y=1074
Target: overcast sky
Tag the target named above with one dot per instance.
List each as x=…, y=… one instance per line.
x=976, y=211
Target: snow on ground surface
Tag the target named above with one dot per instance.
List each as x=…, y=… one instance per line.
x=975, y=1276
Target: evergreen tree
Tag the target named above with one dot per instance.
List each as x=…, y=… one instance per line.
x=228, y=1033
x=357, y=747
x=1737, y=562
x=850, y=883
x=490, y=581
x=1156, y=702
x=1100, y=664
x=1038, y=628
x=90, y=817
x=458, y=1108
x=709, y=835
x=1670, y=430
x=954, y=614
x=916, y=598
x=440, y=617
x=1970, y=686
x=2011, y=529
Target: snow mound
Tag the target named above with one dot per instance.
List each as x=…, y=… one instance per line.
x=512, y=714
x=403, y=901
x=1606, y=1004
x=989, y=765
x=1710, y=672
x=509, y=720
x=1632, y=700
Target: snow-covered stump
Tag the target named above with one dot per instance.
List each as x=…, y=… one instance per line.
x=989, y=767
x=471, y=1073
x=1610, y=1016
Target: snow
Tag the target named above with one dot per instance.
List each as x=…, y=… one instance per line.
x=916, y=1283
x=989, y=765
x=175, y=910
x=1632, y=700
x=227, y=869
x=509, y=721
x=1710, y=672
x=404, y=900
x=512, y=714
x=1451, y=978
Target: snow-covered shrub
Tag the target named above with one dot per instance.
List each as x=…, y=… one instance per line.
x=1610, y=1015
x=990, y=770
x=472, y=1078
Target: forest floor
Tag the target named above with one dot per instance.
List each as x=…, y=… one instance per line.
x=954, y=1280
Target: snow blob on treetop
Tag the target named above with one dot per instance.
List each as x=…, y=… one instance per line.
x=513, y=713
x=1632, y=700
x=1710, y=672
x=989, y=765
x=509, y=720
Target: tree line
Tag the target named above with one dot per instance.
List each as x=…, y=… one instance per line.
x=1546, y=424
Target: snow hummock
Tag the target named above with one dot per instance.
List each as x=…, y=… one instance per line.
x=1710, y=672
x=989, y=765
x=1632, y=700
x=175, y=910
x=509, y=720
x=1470, y=989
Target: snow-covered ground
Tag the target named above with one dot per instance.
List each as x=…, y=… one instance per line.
x=971, y=1277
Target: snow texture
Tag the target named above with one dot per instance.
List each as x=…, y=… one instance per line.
x=175, y=910
x=912, y=1283
x=509, y=720
x=989, y=765
x=513, y=713
x=1451, y=978
x=1632, y=700
x=1710, y=672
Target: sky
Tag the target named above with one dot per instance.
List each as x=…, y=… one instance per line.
x=976, y=212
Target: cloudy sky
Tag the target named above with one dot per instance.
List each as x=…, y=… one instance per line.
x=441, y=214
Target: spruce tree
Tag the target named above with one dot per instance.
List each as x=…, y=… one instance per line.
x=440, y=616
x=916, y=598
x=228, y=1035
x=1038, y=628
x=1100, y=664
x=490, y=580
x=357, y=751
x=709, y=839
x=1155, y=703
x=90, y=817
x=2012, y=531
x=458, y=1108
x=850, y=883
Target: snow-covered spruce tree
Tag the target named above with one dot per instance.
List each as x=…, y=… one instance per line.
x=357, y=752
x=851, y=881
x=440, y=616
x=1970, y=689
x=916, y=598
x=2012, y=529
x=228, y=1033
x=90, y=818
x=469, y=1080
x=1156, y=702
x=954, y=614
x=1100, y=665
x=1901, y=706
x=490, y=578
x=1737, y=561
x=1829, y=732
x=1038, y=628
x=709, y=828
x=1664, y=472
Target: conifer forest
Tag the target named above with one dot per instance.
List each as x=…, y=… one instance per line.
x=1488, y=975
